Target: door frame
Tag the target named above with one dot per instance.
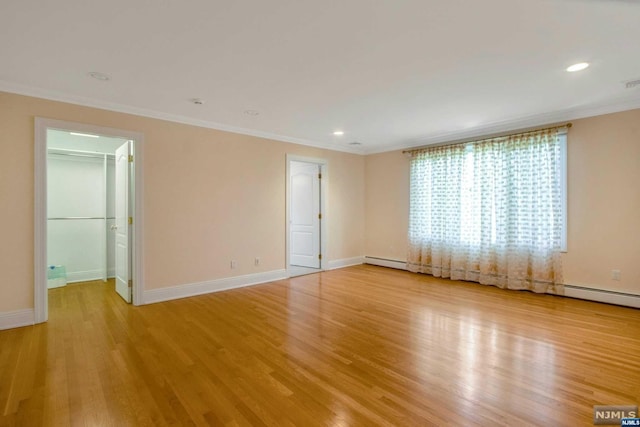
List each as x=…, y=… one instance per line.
x=41, y=309
x=324, y=185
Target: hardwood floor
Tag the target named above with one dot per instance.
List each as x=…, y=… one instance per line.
x=362, y=345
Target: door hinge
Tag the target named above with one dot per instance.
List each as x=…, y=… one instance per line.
x=130, y=220
x=130, y=283
x=130, y=158
x=319, y=256
x=319, y=176
x=319, y=216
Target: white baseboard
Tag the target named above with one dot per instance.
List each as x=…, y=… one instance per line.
x=345, y=262
x=58, y=282
x=383, y=262
x=17, y=319
x=193, y=289
x=601, y=295
x=83, y=276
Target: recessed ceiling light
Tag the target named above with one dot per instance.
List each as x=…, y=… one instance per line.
x=197, y=101
x=84, y=134
x=251, y=112
x=338, y=133
x=99, y=76
x=577, y=67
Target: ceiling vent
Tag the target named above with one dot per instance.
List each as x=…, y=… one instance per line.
x=631, y=84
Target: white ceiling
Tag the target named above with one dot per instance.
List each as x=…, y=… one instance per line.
x=389, y=73
x=63, y=140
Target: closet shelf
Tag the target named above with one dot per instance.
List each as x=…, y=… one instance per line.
x=80, y=217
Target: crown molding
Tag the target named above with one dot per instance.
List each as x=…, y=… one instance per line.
x=520, y=123
x=143, y=112
x=500, y=126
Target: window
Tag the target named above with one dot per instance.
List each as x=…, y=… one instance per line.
x=492, y=211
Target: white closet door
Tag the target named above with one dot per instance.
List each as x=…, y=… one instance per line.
x=304, y=214
x=122, y=226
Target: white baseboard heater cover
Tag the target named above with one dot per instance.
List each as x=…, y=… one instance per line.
x=572, y=291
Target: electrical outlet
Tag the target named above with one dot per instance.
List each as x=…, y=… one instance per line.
x=257, y=261
x=234, y=264
x=615, y=274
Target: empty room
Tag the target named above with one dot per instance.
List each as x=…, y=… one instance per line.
x=285, y=213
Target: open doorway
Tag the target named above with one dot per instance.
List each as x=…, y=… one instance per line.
x=88, y=183
x=306, y=215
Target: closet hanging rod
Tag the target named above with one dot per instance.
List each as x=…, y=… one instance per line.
x=81, y=217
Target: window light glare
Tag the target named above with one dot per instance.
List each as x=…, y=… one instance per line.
x=338, y=133
x=577, y=67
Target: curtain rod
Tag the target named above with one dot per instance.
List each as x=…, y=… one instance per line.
x=411, y=150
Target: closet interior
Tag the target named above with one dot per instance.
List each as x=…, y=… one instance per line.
x=80, y=207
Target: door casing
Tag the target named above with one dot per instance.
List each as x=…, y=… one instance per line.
x=41, y=312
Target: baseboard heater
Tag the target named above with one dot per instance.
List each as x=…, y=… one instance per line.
x=384, y=262
x=571, y=291
x=602, y=295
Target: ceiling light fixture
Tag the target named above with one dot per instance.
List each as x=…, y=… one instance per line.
x=84, y=134
x=251, y=112
x=99, y=76
x=577, y=67
x=338, y=133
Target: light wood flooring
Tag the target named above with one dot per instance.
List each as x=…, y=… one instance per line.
x=360, y=346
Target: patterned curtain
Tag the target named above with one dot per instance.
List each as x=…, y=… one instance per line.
x=489, y=212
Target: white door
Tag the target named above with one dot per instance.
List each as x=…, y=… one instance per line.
x=122, y=244
x=304, y=214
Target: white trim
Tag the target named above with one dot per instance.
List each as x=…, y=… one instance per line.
x=200, y=288
x=40, y=296
x=324, y=207
x=84, y=276
x=17, y=319
x=602, y=295
x=143, y=112
x=58, y=282
x=345, y=262
x=517, y=124
x=40, y=206
x=295, y=271
x=606, y=107
x=383, y=262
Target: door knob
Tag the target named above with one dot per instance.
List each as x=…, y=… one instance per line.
x=114, y=227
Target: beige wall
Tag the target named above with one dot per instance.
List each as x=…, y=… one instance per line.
x=210, y=197
x=213, y=196
x=387, y=205
x=603, y=203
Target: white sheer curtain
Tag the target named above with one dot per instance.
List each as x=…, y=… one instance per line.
x=489, y=212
